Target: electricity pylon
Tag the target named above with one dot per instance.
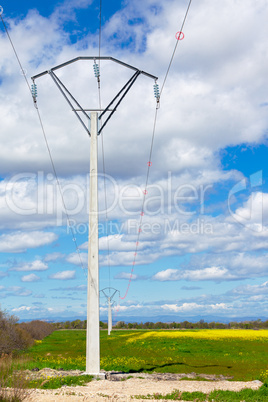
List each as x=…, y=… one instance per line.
x=109, y=293
x=93, y=333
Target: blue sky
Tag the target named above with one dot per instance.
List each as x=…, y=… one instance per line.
x=203, y=247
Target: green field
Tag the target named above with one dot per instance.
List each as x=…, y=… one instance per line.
x=240, y=354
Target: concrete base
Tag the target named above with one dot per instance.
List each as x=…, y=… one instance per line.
x=97, y=376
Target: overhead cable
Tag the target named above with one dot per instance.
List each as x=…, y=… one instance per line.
x=149, y=163
x=34, y=95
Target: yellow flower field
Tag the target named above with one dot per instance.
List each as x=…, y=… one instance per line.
x=212, y=334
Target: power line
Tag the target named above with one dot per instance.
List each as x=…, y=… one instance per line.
x=149, y=163
x=100, y=28
x=60, y=190
x=47, y=145
x=103, y=150
x=15, y=52
x=175, y=48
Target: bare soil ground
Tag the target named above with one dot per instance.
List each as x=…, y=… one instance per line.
x=119, y=387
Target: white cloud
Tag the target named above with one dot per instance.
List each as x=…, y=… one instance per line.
x=184, y=307
x=79, y=288
x=166, y=275
x=239, y=265
x=205, y=274
x=30, y=278
x=36, y=265
x=127, y=258
x=115, y=243
x=22, y=308
x=120, y=308
x=126, y=275
x=21, y=241
x=246, y=290
x=253, y=213
x=3, y=274
x=63, y=275
x=76, y=259
x=54, y=257
x=192, y=307
x=15, y=291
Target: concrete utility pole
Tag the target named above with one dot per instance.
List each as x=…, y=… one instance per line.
x=93, y=332
x=110, y=321
x=93, y=318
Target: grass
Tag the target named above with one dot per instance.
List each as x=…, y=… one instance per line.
x=176, y=396
x=13, y=386
x=260, y=395
x=58, y=382
x=245, y=395
x=239, y=354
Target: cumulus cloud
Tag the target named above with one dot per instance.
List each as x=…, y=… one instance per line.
x=121, y=308
x=79, y=288
x=115, y=243
x=15, y=291
x=194, y=307
x=19, y=242
x=53, y=257
x=126, y=275
x=190, y=288
x=248, y=290
x=63, y=275
x=238, y=264
x=78, y=259
x=252, y=214
x=3, y=274
x=21, y=308
x=206, y=274
x=30, y=278
x=36, y=265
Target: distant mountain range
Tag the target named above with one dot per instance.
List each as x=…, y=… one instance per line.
x=160, y=318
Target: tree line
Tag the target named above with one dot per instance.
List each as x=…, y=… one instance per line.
x=255, y=324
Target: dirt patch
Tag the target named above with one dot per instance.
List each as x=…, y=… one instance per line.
x=120, y=387
x=120, y=376
x=37, y=374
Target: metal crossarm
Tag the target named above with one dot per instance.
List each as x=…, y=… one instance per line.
x=94, y=58
x=70, y=98
x=126, y=88
x=62, y=88
x=104, y=291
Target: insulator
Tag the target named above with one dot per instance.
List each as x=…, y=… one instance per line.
x=34, y=90
x=96, y=70
x=156, y=91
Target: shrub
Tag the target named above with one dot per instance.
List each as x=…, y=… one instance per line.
x=15, y=336
x=11, y=336
x=13, y=387
x=37, y=329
